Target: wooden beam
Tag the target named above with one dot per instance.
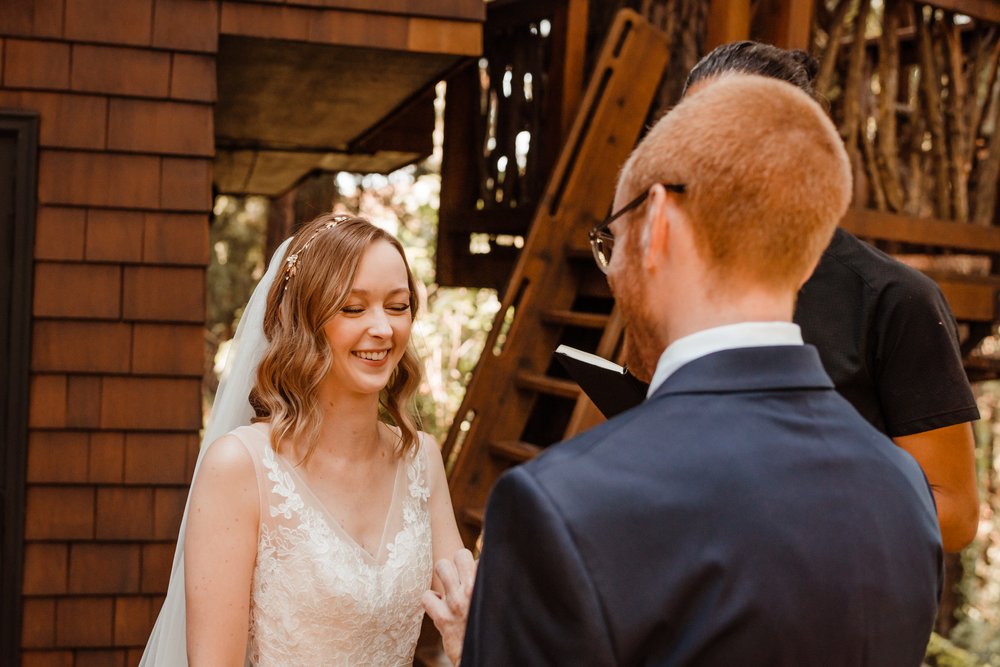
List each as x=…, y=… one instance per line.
x=728, y=21
x=784, y=23
x=987, y=10
x=437, y=36
x=867, y=223
x=573, y=52
x=351, y=28
x=969, y=300
x=470, y=10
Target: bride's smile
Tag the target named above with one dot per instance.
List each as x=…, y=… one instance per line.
x=376, y=356
x=368, y=335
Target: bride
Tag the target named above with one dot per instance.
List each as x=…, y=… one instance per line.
x=312, y=525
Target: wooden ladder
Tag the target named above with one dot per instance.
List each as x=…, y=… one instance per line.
x=519, y=401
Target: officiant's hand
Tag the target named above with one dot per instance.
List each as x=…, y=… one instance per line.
x=450, y=609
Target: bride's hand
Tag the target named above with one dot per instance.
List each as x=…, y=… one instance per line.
x=450, y=609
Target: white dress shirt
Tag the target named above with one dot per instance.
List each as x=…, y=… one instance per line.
x=716, y=339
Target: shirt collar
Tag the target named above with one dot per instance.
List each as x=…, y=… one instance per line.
x=716, y=339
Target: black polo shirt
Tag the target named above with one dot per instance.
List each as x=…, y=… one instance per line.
x=887, y=338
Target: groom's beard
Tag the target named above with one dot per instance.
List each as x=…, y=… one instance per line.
x=642, y=349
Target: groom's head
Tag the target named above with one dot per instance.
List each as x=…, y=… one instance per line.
x=746, y=181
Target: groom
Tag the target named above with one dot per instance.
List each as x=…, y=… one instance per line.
x=744, y=514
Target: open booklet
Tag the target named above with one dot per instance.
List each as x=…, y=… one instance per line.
x=612, y=388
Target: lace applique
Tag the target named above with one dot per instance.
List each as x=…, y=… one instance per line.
x=416, y=473
x=283, y=486
x=317, y=599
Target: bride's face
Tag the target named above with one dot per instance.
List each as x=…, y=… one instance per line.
x=369, y=335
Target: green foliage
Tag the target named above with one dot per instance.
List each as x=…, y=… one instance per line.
x=236, y=264
x=942, y=653
x=978, y=626
x=237, y=259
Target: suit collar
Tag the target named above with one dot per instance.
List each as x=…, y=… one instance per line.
x=715, y=339
x=749, y=369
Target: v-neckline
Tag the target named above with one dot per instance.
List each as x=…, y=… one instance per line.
x=331, y=518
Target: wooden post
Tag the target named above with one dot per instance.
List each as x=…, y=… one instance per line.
x=728, y=21
x=987, y=10
x=573, y=51
x=784, y=23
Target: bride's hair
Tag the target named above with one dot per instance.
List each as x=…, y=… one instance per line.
x=313, y=286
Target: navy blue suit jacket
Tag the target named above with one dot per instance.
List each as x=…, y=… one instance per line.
x=745, y=515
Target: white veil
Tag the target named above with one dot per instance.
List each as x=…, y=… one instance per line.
x=167, y=645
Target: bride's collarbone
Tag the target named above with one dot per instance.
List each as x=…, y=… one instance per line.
x=357, y=494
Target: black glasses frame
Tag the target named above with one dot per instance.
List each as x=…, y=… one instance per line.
x=602, y=240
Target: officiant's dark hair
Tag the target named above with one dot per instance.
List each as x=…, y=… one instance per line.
x=315, y=282
x=747, y=57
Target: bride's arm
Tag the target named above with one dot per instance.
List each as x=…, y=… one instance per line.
x=219, y=553
x=444, y=530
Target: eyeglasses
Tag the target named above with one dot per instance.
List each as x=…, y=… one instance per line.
x=602, y=241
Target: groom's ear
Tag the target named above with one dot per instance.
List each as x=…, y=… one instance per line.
x=657, y=228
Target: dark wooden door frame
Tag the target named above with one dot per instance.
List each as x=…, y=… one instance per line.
x=16, y=272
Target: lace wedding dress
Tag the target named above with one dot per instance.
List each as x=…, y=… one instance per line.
x=318, y=597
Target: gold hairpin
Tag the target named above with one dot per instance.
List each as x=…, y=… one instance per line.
x=292, y=261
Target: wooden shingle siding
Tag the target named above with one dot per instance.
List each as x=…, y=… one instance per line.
x=84, y=621
x=104, y=568
x=186, y=25
x=99, y=179
x=77, y=290
x=175, y=238
x=159, y=349
x=59, y=513
x=192, y=77
x=109, y=21
x=166, y=128
x=32, y=18
x=120, y=71
x=125, y=92
x=60, y=233
x=114, y=236
x=58, y=457
x=164, y=294
x=36, y=64
x=46, y=567
x=67, y=121
x=159, y=458
x=126, y=401
x=186, y=185
x=80, y=346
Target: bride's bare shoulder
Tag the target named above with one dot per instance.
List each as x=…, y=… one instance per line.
x=226, y=478
x=228, y=457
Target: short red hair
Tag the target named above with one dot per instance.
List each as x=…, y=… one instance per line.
x=767, y=177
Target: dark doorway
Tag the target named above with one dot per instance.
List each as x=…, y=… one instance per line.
x=18, y=167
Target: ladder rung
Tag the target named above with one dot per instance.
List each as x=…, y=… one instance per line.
x=576, y=319
x=515, y=450
x=546, y=385
x=473, y=517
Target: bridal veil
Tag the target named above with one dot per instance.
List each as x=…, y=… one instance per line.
x=167, y=645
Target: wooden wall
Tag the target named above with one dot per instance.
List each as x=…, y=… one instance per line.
x=124, y=89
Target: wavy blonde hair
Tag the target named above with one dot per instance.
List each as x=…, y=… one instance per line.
x=314, y=284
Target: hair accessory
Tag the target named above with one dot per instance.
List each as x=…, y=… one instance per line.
x=292, y=261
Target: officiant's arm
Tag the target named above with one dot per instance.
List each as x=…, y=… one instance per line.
x=445, y=537
x=948, y=458
x=220, y=546
x=534, y=602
